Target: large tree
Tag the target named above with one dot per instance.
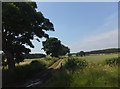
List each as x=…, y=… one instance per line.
x=21, y=23
x=53, y=47
x=64, y=50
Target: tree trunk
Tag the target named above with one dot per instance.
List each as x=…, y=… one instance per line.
x=10, y=61
x=6, y=47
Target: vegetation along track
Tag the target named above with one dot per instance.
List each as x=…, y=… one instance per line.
x=40, y=78
x=44, y=76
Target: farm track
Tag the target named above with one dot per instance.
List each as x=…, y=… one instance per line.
x=43, y=77
x=40, y=78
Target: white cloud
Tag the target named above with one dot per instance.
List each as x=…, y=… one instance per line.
x=98, y=41
x=106, y=38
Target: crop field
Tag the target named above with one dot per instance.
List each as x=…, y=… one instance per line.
x=98, y=58
x=88, y=71
x=97, y=73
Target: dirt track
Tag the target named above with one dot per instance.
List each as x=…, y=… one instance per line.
x=40, y=78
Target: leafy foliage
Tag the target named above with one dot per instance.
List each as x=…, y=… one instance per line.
x=64, y=49
x=113, y=61
x=74, y=64
x=94, y=75
x=21, y=23
x=53, y=47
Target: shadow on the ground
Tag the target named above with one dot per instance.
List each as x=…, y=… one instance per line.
x=38, y=79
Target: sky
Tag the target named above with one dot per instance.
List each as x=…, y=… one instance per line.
x=81, y=25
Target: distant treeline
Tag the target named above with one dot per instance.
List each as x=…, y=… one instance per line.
x=104, y=51
x=31, y=56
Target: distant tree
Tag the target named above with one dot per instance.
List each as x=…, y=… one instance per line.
x=104, y=51
x=53, y=47
x=81, y=53
x=21, y=23
x=31, y=56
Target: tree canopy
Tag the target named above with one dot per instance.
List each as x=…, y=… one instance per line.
x=81, y=53
x=53, y=47
x=64, y=50
x=21, y=23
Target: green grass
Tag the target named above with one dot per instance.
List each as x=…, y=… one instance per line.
x=26, y=70
x=98, y=58
x=96, y=74
x=47, y=61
